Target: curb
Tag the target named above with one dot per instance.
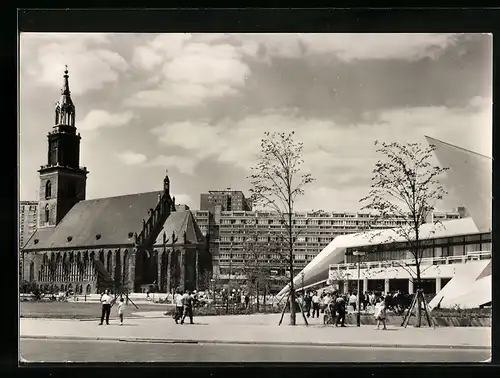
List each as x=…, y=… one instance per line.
x=231, y=342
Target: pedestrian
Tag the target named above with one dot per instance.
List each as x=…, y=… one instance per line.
x=308, y=301
x=247, y=300
x=178, y=299
x=352, y=300
x=121, y=307
x=315, y=303
x=380, y=314
x=341, y=311
x=106, y=306
x=187, y=301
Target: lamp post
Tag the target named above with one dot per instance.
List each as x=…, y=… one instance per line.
x=358, y=316
x=212, y=281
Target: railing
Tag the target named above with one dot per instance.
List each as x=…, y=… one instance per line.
x=470, y=256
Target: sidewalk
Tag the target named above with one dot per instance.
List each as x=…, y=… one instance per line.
x=256, y=329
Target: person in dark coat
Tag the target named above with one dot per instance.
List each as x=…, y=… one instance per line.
x=341, y=312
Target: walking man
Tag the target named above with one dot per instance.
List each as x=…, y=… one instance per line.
x=341, y=311
x=315, y=304
x=187, y=300
x=178, y=299
x=106, y=306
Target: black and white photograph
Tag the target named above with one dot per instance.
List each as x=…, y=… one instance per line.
x=255, y=197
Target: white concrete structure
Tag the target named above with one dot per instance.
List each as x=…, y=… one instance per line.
x=469, y=176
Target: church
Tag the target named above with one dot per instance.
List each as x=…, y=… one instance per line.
x=124, y=243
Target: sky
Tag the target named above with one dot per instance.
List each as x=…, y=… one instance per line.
x=199, y=104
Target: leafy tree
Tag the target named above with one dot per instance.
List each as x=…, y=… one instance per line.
x=406, y=184
x=276, y=182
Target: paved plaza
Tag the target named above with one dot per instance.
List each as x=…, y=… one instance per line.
x=255, y=329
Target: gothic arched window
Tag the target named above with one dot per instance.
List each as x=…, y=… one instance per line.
x=48, y=190
x=47, y=213
x=32, y=271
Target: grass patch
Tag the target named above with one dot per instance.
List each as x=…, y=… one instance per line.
x=71, y=310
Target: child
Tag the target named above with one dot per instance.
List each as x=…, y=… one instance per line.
x=121, y=306
x=380, y=314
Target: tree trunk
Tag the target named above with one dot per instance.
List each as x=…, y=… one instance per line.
x=265, y=293
x=257, y=293
x=419, y=297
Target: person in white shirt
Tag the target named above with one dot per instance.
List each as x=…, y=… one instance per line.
x=106, y=300
x=315, y=304
x=178, y=306
x=121, y=307
x=352, y=300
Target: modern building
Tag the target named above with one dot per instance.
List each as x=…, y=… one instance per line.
x=227, y=200
x=28, y=215
x=456, y=264
x=315, y=229
x=127, y=242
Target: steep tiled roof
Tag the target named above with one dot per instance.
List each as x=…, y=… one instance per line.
x=180, y=222
x=113, y=218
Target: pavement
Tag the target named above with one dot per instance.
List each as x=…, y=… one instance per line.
x=261, y=329
x=106, y=351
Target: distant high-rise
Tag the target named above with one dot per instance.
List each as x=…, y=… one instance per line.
x=228, y=200
x=28, y=211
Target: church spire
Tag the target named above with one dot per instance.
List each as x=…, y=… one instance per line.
x=65, y=109
x=65, y=88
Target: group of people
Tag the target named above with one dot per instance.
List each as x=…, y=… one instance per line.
x=334, y=306
x=184, y=301
x=107, y=301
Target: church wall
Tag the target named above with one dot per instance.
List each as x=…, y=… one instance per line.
x=74, y=268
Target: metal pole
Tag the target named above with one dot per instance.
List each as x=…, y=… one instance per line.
x=358, y=319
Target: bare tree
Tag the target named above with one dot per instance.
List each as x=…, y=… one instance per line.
x=276, y=182
x=406, y=186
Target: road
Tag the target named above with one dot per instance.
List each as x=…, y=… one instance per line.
x=37, y=350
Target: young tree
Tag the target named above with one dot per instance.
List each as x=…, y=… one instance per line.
x=276, y=182
x=406, y=184
x=258, y=259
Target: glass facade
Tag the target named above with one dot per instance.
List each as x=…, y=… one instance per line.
x=442, y=247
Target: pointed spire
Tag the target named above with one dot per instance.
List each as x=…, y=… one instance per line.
x=166, y=183
x=65, y=109
x=65, y=88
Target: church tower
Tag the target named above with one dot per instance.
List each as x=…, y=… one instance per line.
x=62, y=180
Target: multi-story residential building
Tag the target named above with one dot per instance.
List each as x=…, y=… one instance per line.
x=314, y=230
x=228, y=200
x=28, y=211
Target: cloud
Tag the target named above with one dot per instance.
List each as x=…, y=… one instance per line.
x=132, y=158
x=192, y=69
x=184, y=199
x=98, y=119
x=331, y=148
x=91, y=64
x=183, y=164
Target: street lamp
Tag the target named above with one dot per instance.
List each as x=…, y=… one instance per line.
x=358, y=317
x=212, y=281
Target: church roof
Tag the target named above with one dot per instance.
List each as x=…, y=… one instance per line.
x=178, y=223
x=112, y=218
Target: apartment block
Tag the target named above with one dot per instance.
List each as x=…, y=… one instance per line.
x=314, y=230
x=28, y=211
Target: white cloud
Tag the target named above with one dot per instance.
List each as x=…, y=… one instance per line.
x=97, y=119
x=132, y=158
x=90, y=63
x=194, y=68
x=184, y=199
x=183, y=164
x=332, y=149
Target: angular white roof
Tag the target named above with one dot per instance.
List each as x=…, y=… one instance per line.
x=465, y=167
x=470, y=176
x=333, y=253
